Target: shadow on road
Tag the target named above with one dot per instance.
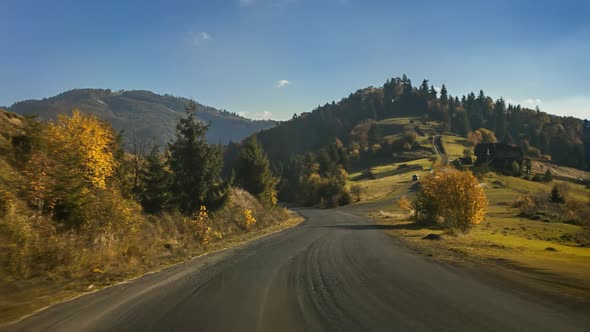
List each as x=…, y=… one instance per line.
x=374, y=226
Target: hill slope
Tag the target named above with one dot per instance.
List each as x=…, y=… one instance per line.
x=151, y=117
x=360, y=122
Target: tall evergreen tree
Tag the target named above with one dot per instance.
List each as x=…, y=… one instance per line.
x=155, y=182
x=424, y=89
x=444, y=96
x=500, y=119
x=252, y=171
x=196, y=167
x=432, y=92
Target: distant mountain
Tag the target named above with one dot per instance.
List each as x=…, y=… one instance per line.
x=148, y=116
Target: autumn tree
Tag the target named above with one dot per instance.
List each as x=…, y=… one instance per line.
x=252, y=172
x=487, y=136
x=482, y=135
x=86, y=145
x=360, y=134
x=82, y=150
x=452, y=197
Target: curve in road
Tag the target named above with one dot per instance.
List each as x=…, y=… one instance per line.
x=335, y=271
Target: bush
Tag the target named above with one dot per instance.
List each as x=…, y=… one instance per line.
x=529, y=204
x=356, y=191
x=548, y=176
x=344, y=198
x=544, y=206
x=404, y=203
x=453, y=198
x=559, y=193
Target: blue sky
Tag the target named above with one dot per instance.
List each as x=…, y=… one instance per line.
x=273, y=58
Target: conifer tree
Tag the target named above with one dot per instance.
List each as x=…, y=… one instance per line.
x=196, y=167
x=155, y=183
x=252, y=171
x=444, y=96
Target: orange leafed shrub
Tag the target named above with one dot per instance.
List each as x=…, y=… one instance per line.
x=453, y=196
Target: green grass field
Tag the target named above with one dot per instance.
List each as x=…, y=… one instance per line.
x=387, y=186
x=455, y=145
x=553, y=256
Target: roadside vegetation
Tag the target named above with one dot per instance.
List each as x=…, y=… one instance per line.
x=78, y=213
x=449, y=198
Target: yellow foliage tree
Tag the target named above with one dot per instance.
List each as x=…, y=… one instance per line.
x=453, y=196
x=482, y=135
x=487, y=136
x=86, y=141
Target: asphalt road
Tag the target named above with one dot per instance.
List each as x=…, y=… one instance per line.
x=335, y=271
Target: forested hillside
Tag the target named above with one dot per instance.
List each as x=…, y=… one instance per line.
x=352, y=121
x=314, y=151
x=143, y=116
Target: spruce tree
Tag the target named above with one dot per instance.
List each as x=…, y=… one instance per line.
x=155, y=182
x=444, y=96
x=196, y=167
x=252, y=171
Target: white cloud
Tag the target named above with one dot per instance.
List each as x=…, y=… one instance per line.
x=201, y=37
x=205, y=36
x=532, y=101
x=244, y=3
x=266, y=115
x=282, y=83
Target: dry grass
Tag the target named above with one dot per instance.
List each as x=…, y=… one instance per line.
x=563, y=172
x=40, y=265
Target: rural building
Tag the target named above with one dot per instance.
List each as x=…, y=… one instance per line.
x=501, y=156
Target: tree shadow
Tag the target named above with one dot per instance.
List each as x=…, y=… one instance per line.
x=409, y=226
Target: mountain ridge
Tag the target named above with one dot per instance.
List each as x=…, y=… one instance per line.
x=142, y=114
